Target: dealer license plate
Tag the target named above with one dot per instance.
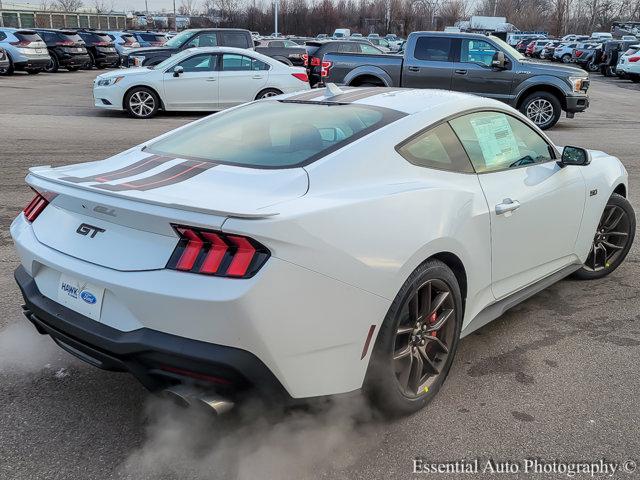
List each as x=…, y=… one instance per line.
x=80, y=296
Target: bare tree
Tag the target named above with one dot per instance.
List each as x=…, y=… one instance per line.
x=103, y=6
x=187, y=7
x=68, y=5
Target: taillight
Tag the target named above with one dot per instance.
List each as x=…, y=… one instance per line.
x=21, y=43
x=579, y=53
x=37, y=205
x=305, y=59
x=66, y=43
x=210, y=252
x=102, y=44
x=326, y=65
x=634, y=59
x=315, y=62
x=301, y=76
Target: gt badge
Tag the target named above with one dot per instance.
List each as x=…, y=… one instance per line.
x=86, y=229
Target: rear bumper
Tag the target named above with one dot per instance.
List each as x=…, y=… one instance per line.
x=32, y=64
x=67, y=60
x=156, y=359
x=577, y=103
x=107, y=59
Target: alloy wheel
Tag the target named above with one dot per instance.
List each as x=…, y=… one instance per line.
x=269, y=94
x=610, y=238
x=424, y=337
x=142, y=103
x=540, y=111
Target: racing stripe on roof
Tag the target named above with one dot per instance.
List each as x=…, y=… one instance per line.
x=135, y=168
x=176, y=174
x=315, y=93
x=359, y=94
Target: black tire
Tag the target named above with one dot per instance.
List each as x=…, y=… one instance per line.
x=268, y=92
x=382, y=383
x=542, y=108
x=566, y=58
x=627, y=225
x=53, y=66
x=144, y=95
x=10, y=70
x=592, y=67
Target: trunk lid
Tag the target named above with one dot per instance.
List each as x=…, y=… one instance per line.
x=118, y=212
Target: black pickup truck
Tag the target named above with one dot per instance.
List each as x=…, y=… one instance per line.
x=472, y=63
x=283, y=50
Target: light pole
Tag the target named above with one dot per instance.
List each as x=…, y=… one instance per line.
x=275, y=14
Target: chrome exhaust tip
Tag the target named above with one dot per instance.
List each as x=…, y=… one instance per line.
x=216, y=403
x=179, y=395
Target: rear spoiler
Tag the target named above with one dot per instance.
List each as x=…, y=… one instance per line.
x=36, y=179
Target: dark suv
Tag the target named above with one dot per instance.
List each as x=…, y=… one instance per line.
x=149, y=39
x=200, y=37
x=67, y=49
x=101, y=49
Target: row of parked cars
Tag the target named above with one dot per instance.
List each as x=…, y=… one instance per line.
x=606, y=55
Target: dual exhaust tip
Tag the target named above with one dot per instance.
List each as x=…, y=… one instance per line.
x=190, y=397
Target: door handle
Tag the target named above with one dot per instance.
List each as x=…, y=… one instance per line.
x=257, y=77
x=211, y=79
x=460, y=71
x=506, y=206
x=413, y=69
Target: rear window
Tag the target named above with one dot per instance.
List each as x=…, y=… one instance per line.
x=151, y=37
x=128, y=38
x=28, y=36
x=74, y=37
x=275, y=134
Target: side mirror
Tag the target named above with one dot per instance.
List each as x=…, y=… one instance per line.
x=177, y=71
x=575, y=156
x=499, y=61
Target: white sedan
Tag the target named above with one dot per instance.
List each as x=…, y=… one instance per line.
x=197, y=79
x=315, y=244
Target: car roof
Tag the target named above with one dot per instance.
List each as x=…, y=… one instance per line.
x=406, y=100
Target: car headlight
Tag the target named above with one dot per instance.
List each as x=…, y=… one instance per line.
x=105, y=82
x=578, y=83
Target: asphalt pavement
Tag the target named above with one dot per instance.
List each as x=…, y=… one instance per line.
x=554, y=379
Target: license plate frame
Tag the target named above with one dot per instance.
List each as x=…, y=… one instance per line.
x=80, y=296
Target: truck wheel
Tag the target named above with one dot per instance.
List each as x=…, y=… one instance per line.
x=542, y=108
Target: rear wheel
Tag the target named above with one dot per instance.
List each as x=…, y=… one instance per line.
x=52, y=66
x=141, y=102
x=268, y=92
x=9, y=70
x=542, y=108
x=417, y=341
x=612, y=240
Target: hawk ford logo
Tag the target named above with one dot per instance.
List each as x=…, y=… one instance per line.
x=70, y=290
x=88, y=297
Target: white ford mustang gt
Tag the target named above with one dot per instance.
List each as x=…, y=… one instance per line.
x=314, y=244
x=197, y=79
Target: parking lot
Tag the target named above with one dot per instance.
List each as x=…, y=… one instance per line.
x=555, y=378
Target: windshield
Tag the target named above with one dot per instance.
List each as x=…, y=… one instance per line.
x=178, y=40
x=274, y=134
x=508, y=48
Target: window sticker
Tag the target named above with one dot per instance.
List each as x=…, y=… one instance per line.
x=496, y=139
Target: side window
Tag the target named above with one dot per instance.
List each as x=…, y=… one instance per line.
x=364, y=48
x=235, y=39
x=198, y=63
x=258, y=65
x=207, y=39
x=348, y=47
x=433, y=49
x=232, y=62
x=476, y=51
x=437, y=148
x=496, y=141
x=276, y=44
x=289, y=44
